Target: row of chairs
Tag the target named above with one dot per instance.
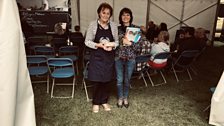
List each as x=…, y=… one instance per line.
x=71, y=52
x=57, y=68
x=183, y=62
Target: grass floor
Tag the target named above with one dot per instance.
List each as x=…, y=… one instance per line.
x=173, y=104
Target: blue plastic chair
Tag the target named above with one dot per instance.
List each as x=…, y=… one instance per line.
x=161, y=56
x=61, y=68
x=37, y=66
x=212, y=90
x=71, y=52
x=45, y=50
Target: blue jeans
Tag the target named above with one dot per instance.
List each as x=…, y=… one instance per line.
x=124, y=70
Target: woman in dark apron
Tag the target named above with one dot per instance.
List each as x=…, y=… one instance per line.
x=102, y=37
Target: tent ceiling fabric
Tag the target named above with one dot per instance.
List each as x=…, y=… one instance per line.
x=192, y=12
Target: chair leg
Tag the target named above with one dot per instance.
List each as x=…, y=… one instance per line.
x=193, y=69
x=207, y=108
x=52, y=89
x=150, y=78
x=164, y=79
x=144, y=79
x=87, y=95
x=48, y=83
x=73, y=87
x=189, y=74
x=174, y=71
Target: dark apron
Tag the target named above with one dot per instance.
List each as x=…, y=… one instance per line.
x=101, y=65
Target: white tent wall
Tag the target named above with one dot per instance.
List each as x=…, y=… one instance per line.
x=201, y=13
x=194, y=13
x=74, y=13
x=88, y=12
x=176, y=13
x=38, y=3
x=138, y=8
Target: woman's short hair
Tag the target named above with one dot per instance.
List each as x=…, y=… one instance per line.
x=125, y=10
x=105, y=6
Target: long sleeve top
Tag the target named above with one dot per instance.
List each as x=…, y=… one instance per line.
x=128, y=52
x=91, y=32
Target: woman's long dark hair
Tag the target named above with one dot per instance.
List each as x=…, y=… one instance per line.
x=125, y=10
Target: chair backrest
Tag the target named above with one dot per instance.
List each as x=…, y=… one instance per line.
x=37, y=40
x=68, y=50
x=36, y=59
x=142, y=58
x=186, y=58
x=77, y=39
x=162, y=55
x=60, y=62
x=58, y=40
x=44, y=50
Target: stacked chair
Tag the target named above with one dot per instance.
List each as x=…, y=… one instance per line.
x=37, y=66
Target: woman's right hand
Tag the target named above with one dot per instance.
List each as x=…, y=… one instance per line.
x=126, y=41
x=100, y=45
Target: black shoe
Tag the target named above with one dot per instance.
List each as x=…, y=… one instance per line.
x=126, y=105
x=119, y=106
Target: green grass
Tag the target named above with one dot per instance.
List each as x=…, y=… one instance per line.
x=173, y=104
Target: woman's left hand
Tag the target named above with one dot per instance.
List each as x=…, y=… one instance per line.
x=107, y=48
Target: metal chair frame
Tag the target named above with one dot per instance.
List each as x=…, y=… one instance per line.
x=190, y=55
x=162, y=56
x=143, y=59
x=61, y=68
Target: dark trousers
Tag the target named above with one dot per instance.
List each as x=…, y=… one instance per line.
x=100, y=92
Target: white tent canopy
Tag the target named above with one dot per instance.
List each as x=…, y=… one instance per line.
x=176, y=13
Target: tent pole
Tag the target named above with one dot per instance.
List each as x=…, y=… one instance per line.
x=182, y=14
x=78, y=6
x=215, y=22
x=147, y=13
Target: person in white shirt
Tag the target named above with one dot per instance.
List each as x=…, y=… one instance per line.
x=161, y=46
x=45, y=5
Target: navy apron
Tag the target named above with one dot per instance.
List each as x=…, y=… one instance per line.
x=101, y=65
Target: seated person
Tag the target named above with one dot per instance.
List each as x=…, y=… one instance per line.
x=158, y=47
x=77, y=32
x=60, y=36
x=61, y=30
x=188, y=43
x=179, y=37
x=201, y=37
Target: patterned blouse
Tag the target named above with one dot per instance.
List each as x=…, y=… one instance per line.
x=128, y=52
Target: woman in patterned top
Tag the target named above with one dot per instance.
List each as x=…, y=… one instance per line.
x=125, y=63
